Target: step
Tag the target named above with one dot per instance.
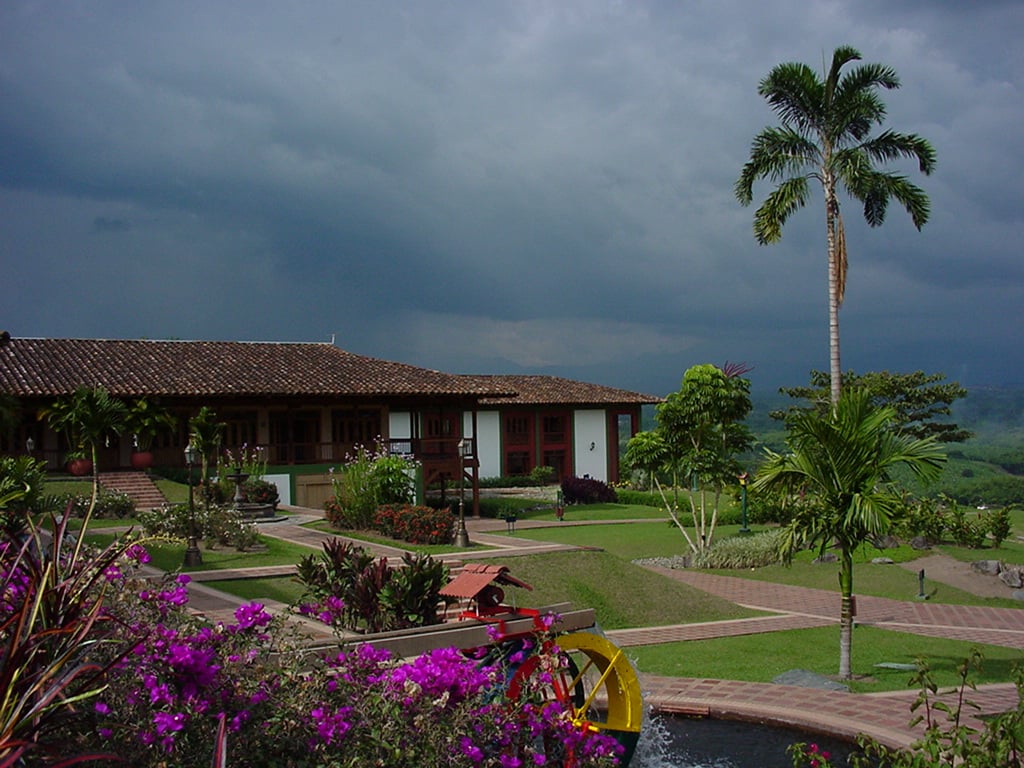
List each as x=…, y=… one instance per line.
x=137, y=485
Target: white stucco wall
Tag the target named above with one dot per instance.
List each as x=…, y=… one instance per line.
x=284, y=486
x=589, y=427
x=488, y=440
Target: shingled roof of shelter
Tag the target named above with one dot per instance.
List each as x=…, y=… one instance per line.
x=554, y=390
x=128, y=368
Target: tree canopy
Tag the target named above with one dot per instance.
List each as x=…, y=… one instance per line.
x=699, y=434
x=921, y=401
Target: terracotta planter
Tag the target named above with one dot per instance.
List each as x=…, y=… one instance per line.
x=142, y=459
x=80, y=467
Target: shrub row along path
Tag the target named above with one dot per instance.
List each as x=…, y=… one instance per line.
x=884, y=716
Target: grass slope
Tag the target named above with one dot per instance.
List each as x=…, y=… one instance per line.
x=623, y=594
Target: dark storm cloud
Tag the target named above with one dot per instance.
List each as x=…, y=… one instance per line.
x=495, y=187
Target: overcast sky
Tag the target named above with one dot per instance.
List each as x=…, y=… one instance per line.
x=499, y=187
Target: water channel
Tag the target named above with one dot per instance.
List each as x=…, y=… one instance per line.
x=679, y=742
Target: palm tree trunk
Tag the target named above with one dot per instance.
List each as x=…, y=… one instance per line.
x=835, y=369
x=845, y=612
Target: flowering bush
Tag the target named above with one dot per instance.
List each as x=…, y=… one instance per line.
x=125, y=673
x=251, y=461
x=109, y=504
x=258, y=491
x=367, y=480
x=217, y=525
x=415, y=524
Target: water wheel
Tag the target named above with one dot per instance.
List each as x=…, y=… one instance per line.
x=596, y=685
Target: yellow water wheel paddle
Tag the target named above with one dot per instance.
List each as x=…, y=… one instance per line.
x=596, y=684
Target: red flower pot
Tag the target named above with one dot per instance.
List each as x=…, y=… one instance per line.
x=80, y=467
x=142, y=459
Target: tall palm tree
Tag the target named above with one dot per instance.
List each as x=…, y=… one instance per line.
x=824, y=137
x=843, y=460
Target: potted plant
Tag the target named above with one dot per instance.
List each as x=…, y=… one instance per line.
x=145, y=419
x=77, y=463
x=88, y=417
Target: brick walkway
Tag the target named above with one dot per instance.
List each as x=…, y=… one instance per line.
x=881, y=715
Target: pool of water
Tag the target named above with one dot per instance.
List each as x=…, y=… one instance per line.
x=679, y=742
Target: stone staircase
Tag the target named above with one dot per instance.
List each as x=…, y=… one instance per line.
x=137, y=485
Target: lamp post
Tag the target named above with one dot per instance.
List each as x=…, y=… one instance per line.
x=461, y=534
x=743, y=502
x=193, y=557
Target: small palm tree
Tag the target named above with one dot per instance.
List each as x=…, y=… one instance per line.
x=206, y=434
x=844, y=460
x=89, y=416
x=145, y=419
x=824, y=137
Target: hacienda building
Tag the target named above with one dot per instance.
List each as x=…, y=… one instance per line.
x=310, y=404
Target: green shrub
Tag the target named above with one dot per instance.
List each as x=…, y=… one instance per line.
x=999, y=526
x=413, y=592
x=109, y=505
x=924, y=517
x=510, y=481
x=216, y=525
x=542, y=475
x=639, y=498
x=966, y=529
x=27, y=474
x=347, y=587
x=755, y=551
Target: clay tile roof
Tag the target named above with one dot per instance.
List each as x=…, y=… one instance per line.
x=49, y=367
x=554, y=390
x=476, y=576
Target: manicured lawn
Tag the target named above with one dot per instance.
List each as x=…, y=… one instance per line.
x=372, y=538
x=761, y=658
x=592, y=512
x=658, y=538
x=284, y=589
x=168, y=556
x=633, y=541
x=623, y=594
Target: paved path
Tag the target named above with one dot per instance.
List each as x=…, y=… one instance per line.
x=882, y=715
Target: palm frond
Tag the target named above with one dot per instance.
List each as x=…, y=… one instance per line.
x=841, y=56
x=890, y=145
x=795, y=93
x=790, y=196
x=774, y=154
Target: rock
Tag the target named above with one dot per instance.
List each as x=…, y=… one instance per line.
x=885, y=542
x=1012, y=577
x=807, y=679
x=1018, y=594
x=987, y=567
x=919, y=543
x=828, y=557
x=882, y=561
